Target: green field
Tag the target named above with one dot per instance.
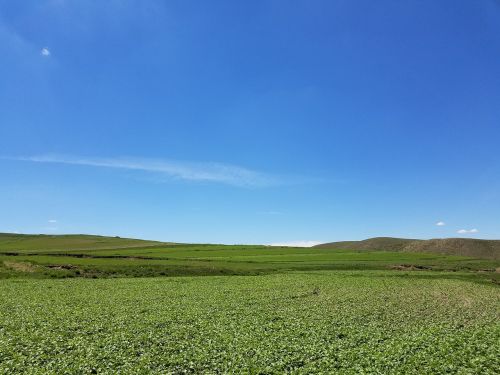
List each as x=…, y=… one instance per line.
x=89, y=304
x=300, y=322
x=44, y=242
x=97, y=257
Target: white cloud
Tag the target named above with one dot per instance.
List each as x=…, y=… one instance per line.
x=440, y=223
x=52, y=221
x=296, y=243
x=45, y=51
x=467, y=231
x=193, y=171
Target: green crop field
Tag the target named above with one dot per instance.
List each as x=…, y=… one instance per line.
x=43, y=242
x=89, y=304
x=301, y=322
x=97, y=257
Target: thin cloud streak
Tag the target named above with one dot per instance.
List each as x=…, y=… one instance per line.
x=271, y=213
x=467, y=231
x=191, y=171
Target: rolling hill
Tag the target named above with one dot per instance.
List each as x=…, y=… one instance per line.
x=41, y=256
x=43, y=242
x=485, y=249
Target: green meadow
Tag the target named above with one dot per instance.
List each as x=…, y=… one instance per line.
x=80, y=304
x=97, y=257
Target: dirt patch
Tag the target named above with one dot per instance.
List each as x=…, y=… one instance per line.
x=61, y=267
x=487, y=270
x=20, y=266
x=410, y=267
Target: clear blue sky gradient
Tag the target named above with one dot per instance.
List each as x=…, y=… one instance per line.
x=250, y=121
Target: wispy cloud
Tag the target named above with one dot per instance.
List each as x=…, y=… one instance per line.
x=52, y=221
x=467, y=231
x=296, y=243
x=440, y=223
x=271, y=213
x=192, y=171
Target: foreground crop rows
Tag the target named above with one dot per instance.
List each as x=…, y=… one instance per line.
x=331, y=321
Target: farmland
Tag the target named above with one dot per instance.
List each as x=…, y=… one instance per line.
x=97, y=257
x=87, y=304
x=300, y=322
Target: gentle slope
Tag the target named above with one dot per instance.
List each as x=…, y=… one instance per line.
x=484, y=249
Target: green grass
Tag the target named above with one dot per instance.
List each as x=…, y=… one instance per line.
x=44, y=242
x=175, y=260
x=262, y=310
x=484, y=249
x=42, y=256
x=346, y=322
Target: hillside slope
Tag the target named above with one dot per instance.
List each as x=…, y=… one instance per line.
x=484, y=249
x=10, y=242
x=376, y=243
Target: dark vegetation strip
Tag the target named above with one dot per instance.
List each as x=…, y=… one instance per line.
x=76, y=255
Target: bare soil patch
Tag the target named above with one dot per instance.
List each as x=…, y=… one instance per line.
x=410, y=267
x=20, y=266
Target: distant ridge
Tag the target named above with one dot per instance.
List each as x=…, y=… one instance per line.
x=484, y=249
x=481, y=249
x=65, y=242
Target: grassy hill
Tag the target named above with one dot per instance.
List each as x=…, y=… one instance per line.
x=377, y=243
x=11, y=242
x=486, y=249
x=483, y=249
x=97, y=256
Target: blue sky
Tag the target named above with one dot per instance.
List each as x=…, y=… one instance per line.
x=250, y=121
